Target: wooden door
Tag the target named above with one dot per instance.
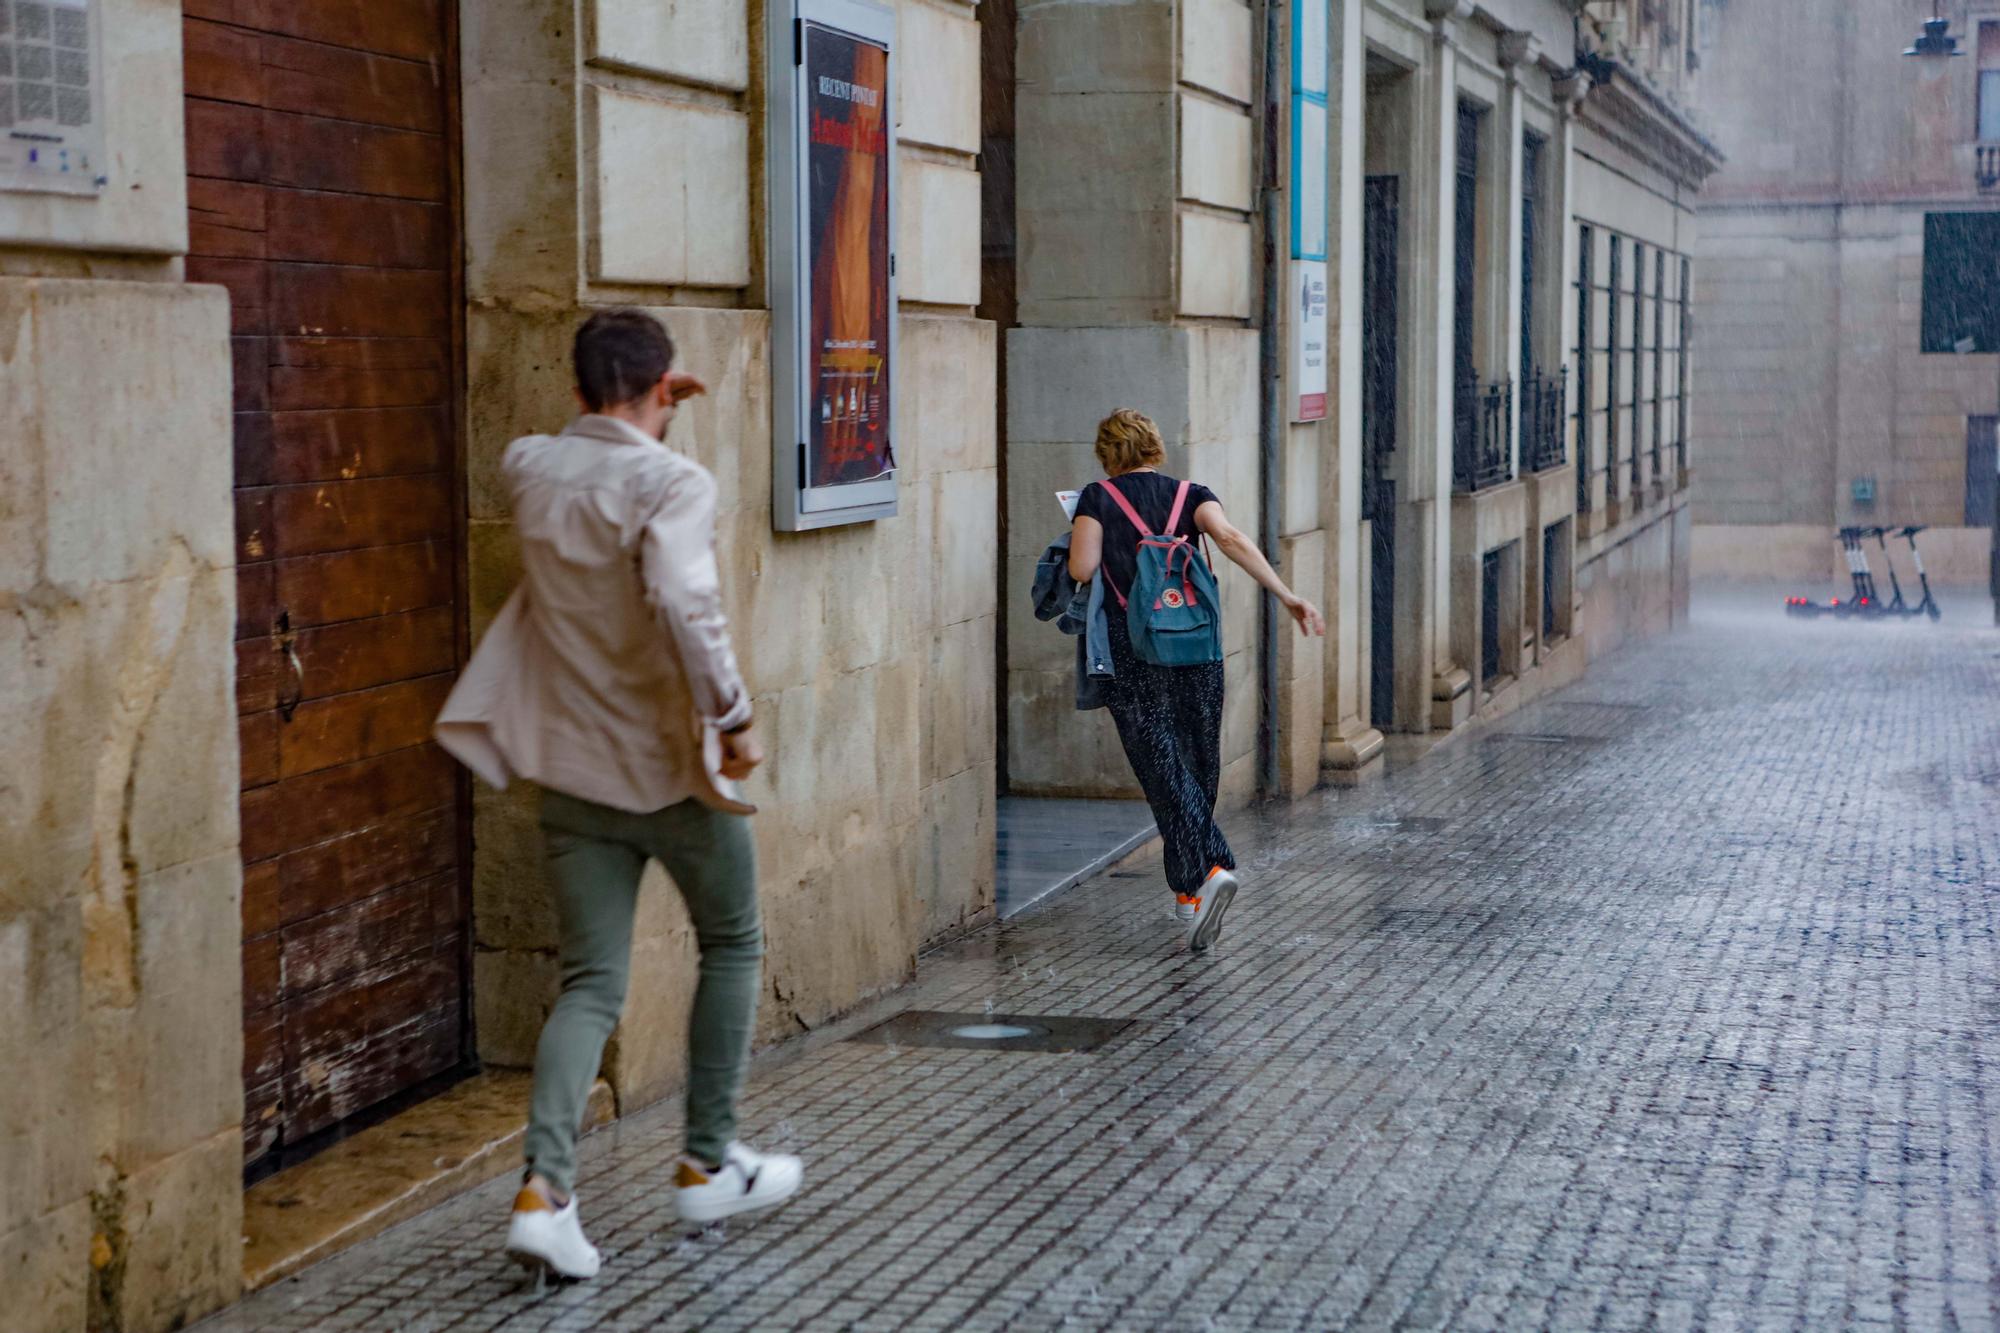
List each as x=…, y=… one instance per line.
x=320, y=193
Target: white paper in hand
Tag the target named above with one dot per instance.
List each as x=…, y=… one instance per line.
x=1068, y=499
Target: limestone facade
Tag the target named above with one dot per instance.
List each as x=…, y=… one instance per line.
x=120, y=1152
x=1823, y=410
x=614, y=152
x=868, y=647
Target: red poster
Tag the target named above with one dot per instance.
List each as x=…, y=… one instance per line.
x=847, y=221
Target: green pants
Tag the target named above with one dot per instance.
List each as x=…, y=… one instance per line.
x=596, y=855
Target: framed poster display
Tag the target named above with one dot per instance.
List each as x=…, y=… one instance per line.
x=833, y=263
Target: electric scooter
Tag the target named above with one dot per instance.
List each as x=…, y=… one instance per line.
x=1896, y=606
x=1929, y=605
x=1864, y=602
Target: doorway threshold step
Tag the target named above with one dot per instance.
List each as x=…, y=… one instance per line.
x=410, y=1163
x=1044, y=845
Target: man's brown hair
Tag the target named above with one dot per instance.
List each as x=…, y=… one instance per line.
x=1128, y=439
x=618, y=355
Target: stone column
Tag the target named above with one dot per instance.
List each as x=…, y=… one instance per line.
x=1350, y=745
x=1430, y=686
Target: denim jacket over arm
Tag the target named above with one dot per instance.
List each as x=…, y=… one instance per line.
x=1079, y=611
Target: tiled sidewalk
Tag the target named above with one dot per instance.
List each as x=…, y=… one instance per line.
x=1671, y=1002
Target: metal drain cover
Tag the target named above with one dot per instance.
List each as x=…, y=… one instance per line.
x=1047, y=1033
x=1386, y=823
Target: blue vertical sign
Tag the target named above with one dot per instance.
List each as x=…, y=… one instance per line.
x=1306, y=306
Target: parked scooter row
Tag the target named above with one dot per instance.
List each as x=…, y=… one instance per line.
x=1867, y=603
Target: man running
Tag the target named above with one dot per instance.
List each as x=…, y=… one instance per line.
x=608, y=679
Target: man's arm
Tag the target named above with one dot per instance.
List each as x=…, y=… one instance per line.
x=684, y=590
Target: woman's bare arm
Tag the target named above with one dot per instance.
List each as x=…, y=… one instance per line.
x=1086, y=548
x=1235, y=544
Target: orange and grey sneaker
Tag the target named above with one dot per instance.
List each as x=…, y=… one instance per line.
x=1185, y=906
x=1217, y=892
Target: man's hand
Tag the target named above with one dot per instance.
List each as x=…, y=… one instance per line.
x=682, y=386
x=740, y=754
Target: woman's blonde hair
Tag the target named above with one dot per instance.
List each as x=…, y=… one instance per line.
x=1128, y=439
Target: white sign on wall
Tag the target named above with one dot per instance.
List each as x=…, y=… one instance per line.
x=51, y=97
x=1308, y=314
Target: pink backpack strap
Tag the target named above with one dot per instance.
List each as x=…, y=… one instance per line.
x=1130, y=513
x=1180, y=503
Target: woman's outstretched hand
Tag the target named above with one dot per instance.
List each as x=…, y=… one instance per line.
x=1311, y=622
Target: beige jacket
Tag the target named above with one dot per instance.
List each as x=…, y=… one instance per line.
x=609, y=671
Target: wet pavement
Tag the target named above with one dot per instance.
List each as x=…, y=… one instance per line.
x=1672, y=1001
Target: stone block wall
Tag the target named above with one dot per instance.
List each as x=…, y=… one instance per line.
x=869, y=647
x=1199, y=385
x=1134, y=191
x=119, y=879
x=1810, y=375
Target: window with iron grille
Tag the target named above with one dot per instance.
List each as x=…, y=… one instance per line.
x=1531, y=240
x=1631, y=359
x=1540, y=392
x=1659, y=351
x=1482, y=409
x=1683, y=342
x=1988, y=128
x=1585, y=380
x=1612, y=400
x=1636, y=351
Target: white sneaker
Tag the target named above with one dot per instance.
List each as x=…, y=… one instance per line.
x=746, y=1180
x=1185, y=906
x=544, y=1237
x=1217, y=892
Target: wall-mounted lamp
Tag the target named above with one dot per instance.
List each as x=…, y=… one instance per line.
x=1933, y=41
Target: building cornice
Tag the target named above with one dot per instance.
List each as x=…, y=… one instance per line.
x=1651, y=124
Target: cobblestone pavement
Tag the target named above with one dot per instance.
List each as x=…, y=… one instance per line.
x=1670, y=1002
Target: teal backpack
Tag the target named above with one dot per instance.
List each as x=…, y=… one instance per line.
x=1174, y=614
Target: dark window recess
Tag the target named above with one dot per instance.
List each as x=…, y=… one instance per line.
x=1982, y=469
x=1988, y=111
x=1586, y=239
x=1686, y=344
x=1638, y=353
x=1379, y=266
x=1659, y=350
x=1551, y=573
x=1961, y=282
x=1381, y=222
x=1544, y=411
x=1531, y=240
x=1465, y=239
x=1489, y=618
x=1611, y=373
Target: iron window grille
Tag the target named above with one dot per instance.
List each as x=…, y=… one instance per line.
x=1544, y=414
x=1659, y=356
x=1613, y=295
x=1636, y=349
x=1686, y=337
x=1585, y=267
x=1482, y=434
x=1639, y=379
